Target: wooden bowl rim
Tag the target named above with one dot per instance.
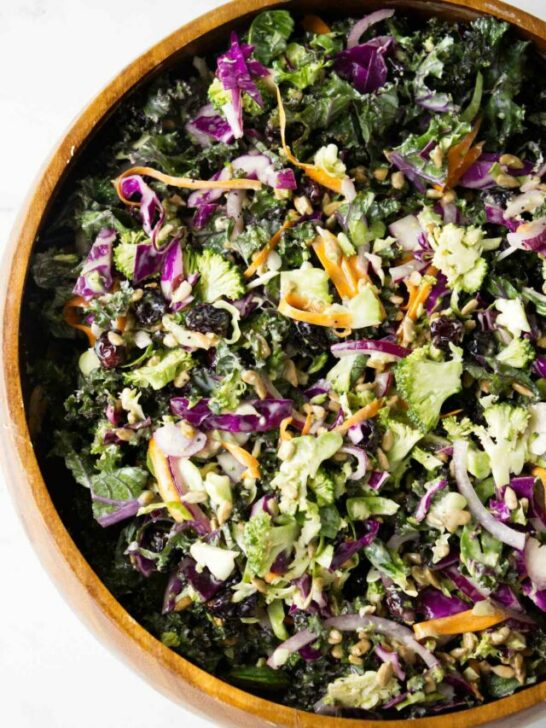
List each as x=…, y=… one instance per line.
x=31, y=491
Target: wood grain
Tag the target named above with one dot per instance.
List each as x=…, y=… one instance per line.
x=169, y=673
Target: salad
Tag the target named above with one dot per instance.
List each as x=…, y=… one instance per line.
x=296, y=312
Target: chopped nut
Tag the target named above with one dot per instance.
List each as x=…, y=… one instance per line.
x=302, y=205
x=382, y=459
x=510, y=160
x=510, y=498
x=506, y=180
x=414, y=558
x=398, y=180
x=433, y=194
x=469, y=325
x=519, y=668
x=449, y=197
x=380, y=173
x=330, y=208
x=469, y=307
x=334, y=637
x=181, y=379
x=469, y=641
x=437, y=156
x=354, y=660
x=115, y=339
x=388, y=441
x=500, y=635
x=503, y=671
x=520, y=389
x=337, y=652
x=170, y=341
x=384, y=674
x=137, y=295
x=182, y=603
x=359, y=174
x=249, y=376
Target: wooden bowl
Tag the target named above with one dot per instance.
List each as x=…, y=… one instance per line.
x=168, y=672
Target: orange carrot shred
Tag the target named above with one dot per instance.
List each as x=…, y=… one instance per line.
x=365, y=413
x=467, y=621
x=283, y=428
x=72, y=319
x=261, y=256
x=314, y=24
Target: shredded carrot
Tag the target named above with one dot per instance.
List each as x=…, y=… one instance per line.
x=413, y=290
x=459, y=623
x=331, y=257
x=185, y=182
x=461, y=155
x=271, y=577
x=165, y=483
x=314, y=24
x=336, y=318
x=283, y=428
x=245, y=458
x=121, y=323
x=422, y=294
x=318, y=175
x=308, y=422
x=366, y=413
x=72, y=318
x=539, y=473
x=261, y=256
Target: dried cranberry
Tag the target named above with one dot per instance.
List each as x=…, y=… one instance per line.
x=314, y=337
x=150, y=308
x=481, y=344
x=222, y=606
x=446, y=331
x=312, y=191
x=110, y=349
x=204, y=317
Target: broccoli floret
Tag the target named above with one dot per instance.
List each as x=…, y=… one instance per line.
x=263, y=541
x=326, y=158
x=512, y=316
x=458, y=254
x=518, y=354
x=425, y=384
x=458, y=429
x=324, y=487
x=504, y=440
x=361, y=691
x=346, y=372
x=404, y=438
x=218, y=277
x=157, y=375
x=125, y=251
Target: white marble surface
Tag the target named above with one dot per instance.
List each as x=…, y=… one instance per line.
x=54, y=56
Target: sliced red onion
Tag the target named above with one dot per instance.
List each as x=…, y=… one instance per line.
x=202, y=522
x=407, y=230
x=393, y=630
x=529, y=236
x=362, y=459
x=426, y=500
x=267, y=504
x=535, y=562
x=500, y=531
x=171, y=441
x=392, y=657
x=281, y=654
x=361, y=26
x=381, y=346
x=383, y=382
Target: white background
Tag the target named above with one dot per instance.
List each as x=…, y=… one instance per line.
x=54, y=56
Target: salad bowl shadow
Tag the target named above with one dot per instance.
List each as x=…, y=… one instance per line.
x=32, y=484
